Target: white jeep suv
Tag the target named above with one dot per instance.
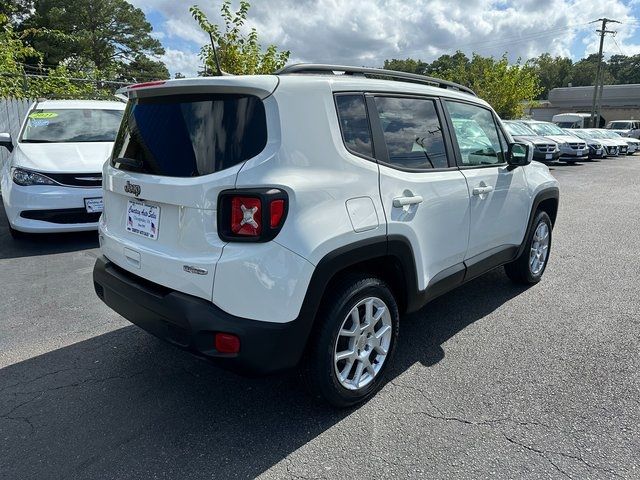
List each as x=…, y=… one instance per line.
x=270, y=221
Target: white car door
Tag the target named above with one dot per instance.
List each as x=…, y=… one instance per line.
x=425, y=196
x=499, y=196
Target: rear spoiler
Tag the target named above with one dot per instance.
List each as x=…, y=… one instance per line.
x=259, y=85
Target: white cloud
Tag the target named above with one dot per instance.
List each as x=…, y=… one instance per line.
x=180, y=61
x=367, y=32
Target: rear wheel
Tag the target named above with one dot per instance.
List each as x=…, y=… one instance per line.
x=353, y=342
x=532, y=262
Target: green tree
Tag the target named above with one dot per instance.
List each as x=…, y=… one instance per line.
x=584, y=71
x=58, y=82
x=104, y=32
x=239, y=53
x=552, y=72
x=445, y=65
x=409, y=65
x=15, y=11
x=508, y=88
x=13, y=54
x=625, y=69
x=143, y=69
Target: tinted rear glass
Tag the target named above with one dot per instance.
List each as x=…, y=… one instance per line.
x=71, y=125
x=191, y=135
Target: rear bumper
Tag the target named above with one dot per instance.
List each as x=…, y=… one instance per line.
x=190, y=323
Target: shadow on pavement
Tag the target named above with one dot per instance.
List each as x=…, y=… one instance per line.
x=125, y=405
x=42, y=243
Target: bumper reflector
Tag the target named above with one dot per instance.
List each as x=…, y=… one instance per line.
x=227, y=343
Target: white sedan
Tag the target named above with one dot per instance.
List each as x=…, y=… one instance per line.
x=52, y=180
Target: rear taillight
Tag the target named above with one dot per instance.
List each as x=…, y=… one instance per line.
x=251, y=215
x=246, y=216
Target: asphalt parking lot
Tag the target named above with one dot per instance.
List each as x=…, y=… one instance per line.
x=491, y=380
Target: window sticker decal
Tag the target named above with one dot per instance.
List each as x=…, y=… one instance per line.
x=43, y=115
x=37, y=122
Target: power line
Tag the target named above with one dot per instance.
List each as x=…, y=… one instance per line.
x=507, y=41
x=617, y=45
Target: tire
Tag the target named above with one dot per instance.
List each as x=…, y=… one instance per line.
x=524, y=269
x=15, y=234
x=320, y=368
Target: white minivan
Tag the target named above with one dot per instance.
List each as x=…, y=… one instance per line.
x=52, y=180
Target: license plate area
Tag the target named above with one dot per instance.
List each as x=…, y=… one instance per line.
x=93, y=205
x=143, y=219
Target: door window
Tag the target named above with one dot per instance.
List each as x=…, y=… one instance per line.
x=476, y=134
x=412, y=133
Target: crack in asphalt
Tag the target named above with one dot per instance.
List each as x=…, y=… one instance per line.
x=493, y=422
x=37, y=394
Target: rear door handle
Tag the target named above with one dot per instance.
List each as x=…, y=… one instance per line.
x=482, y=190
x=399, y=202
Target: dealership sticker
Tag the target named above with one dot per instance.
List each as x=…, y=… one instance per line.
x=37, y=122
x=43, y=115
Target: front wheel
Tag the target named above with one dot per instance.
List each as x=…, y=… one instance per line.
x=353, y=342
x=532, y=262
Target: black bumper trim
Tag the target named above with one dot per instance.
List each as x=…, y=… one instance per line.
x=190, y=322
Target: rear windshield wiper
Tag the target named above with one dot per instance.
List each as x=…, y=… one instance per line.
x=132, y=163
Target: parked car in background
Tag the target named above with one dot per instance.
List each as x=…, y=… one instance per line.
x=628, y=128
x=633, y=143
x=572, y=120
x=605, y=135
x=572, y=148
x=52, y=180
x=597, y=149
x=611, y=147
x=545, y=149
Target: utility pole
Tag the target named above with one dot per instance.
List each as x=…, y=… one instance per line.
x=599, y=82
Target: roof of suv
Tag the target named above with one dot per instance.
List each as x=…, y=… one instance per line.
x=264, y=85
x=81, y=104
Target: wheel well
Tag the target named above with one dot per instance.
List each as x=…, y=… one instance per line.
x=550, y=205
x=388, y=268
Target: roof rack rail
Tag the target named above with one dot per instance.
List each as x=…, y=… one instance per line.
x=311, y=68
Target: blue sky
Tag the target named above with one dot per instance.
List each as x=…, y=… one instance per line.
x=367, y=32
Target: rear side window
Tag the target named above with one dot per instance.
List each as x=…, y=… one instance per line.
x=191, y=135
x=354, y=124
x=412, y=133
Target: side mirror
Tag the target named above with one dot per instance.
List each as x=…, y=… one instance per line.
x=519, y=154
x=6, y=141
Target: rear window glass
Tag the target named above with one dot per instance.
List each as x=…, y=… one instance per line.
x=71, y=125
x=191, y=135
x=354, y=123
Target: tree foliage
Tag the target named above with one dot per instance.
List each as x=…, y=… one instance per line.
x=551, y=71
x=106, y=35
x=506, y=87
x=238, y=52
x=59, y=82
